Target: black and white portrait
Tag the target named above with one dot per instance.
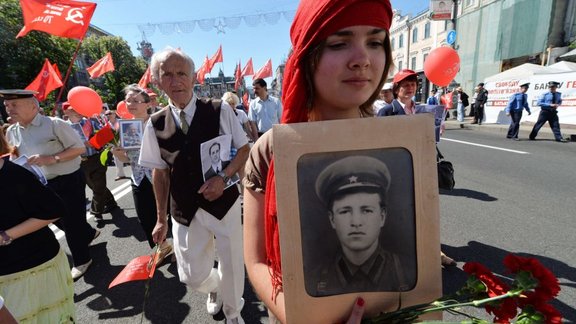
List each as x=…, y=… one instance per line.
x=130, y=133
x=215, y=155
x=357, y=220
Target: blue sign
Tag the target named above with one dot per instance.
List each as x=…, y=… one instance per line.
x=451, y=38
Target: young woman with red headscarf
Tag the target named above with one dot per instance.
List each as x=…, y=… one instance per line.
x=340, y=60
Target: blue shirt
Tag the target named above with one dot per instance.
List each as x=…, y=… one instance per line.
x=432, y=100
x=545, y=100
x=265, y=113
x=517, y=102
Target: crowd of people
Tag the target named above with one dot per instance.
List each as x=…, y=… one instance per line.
x=338, y=69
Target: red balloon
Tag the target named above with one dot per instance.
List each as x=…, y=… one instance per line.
x=442, y=65
x=85, y=101
x=122, y=110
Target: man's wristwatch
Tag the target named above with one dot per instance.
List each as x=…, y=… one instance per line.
x=223, y=176
x=56, y=158
x=6, y=239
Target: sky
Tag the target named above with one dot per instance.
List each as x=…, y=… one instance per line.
x=265, y=40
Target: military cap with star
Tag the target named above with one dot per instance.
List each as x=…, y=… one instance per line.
x=352, y=174
x=10, y=94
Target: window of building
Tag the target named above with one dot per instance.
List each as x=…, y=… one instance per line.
x=424, y=59
x=427, y=30
x=401, y=41
x=392, y=43
x=399, y=65
x=414, y=35
x=413, y=64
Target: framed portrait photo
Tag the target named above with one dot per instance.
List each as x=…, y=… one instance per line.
x=130, y=133
x=359, y=216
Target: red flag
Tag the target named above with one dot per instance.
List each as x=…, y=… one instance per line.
x=145, y=79
x=46, y=81
x=217, y=57
x=265, y=71
x=57, y=70
x=101, y=66
x=201, y=73
x=238, y=75
x=141, y=268
x=64, y=18
x=102, y=137
x=248, y=68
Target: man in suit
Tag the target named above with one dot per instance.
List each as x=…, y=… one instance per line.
x=217, y=164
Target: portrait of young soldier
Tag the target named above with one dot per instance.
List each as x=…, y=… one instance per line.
x=354, y=193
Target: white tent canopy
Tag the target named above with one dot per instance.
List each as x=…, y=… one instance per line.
x=564, y=66
x=524, y=71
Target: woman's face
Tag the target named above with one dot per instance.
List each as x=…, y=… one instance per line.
x=349, y=71
x=135, y=104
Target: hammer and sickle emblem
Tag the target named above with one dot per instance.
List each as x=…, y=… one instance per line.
x=75, y=15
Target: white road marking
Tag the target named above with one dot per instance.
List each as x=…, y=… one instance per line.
x=486, y=146
x=118, y=192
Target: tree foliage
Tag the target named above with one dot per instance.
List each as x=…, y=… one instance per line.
x=21, y=59
x=127, y=68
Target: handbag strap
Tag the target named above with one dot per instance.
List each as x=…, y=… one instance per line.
x=439, y=156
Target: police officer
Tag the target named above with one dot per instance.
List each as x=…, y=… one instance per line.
x=354, y=190
x=517, y=103
x=549, y=103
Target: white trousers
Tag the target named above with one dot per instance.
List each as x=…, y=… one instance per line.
x=195, y=250
x=461, y=112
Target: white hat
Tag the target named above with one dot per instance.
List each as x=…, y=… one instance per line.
x=388, y=86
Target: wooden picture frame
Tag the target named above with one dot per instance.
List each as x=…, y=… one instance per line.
x=406, y=144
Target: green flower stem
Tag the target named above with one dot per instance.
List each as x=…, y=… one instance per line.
x=474, y=303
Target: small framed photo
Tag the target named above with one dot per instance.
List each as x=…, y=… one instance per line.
x=215, y=156
x=130, y=133
x=359, y=216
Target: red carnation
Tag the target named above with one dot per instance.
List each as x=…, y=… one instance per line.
x=547, y=285
x=551, y=314
x=503, y=310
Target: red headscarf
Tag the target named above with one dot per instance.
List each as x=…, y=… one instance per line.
x=314, y=21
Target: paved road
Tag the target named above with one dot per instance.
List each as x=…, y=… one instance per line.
x=510, y=196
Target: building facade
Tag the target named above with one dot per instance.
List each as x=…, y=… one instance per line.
x=492, y=36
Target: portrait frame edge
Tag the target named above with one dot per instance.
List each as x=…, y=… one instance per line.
x=413, y=133
x=122, y=122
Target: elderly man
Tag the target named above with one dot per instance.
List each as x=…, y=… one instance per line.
x=264, y=111
x=355, y=191
x=384, y=98
x=201, y=211
x=54, y=146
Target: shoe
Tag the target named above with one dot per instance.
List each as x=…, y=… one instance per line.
x=446, y=260
x=213, y=303
x=80, y=270
x=96, y=234
x=121, y=178
x=515, y=139
x=165, y=250
x=474, y=123
x=96, y=215
x=562, y=140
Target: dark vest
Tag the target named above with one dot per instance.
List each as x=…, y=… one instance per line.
x=182, y=153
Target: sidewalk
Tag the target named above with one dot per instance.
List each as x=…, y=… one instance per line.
x=545, y=133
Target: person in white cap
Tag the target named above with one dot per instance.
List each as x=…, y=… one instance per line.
x=385, y=98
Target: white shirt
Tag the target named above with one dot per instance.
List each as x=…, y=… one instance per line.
x=150, y=150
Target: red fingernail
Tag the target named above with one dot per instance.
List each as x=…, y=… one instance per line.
x=360, y=301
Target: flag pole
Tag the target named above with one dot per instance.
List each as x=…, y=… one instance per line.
x=68, y=72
